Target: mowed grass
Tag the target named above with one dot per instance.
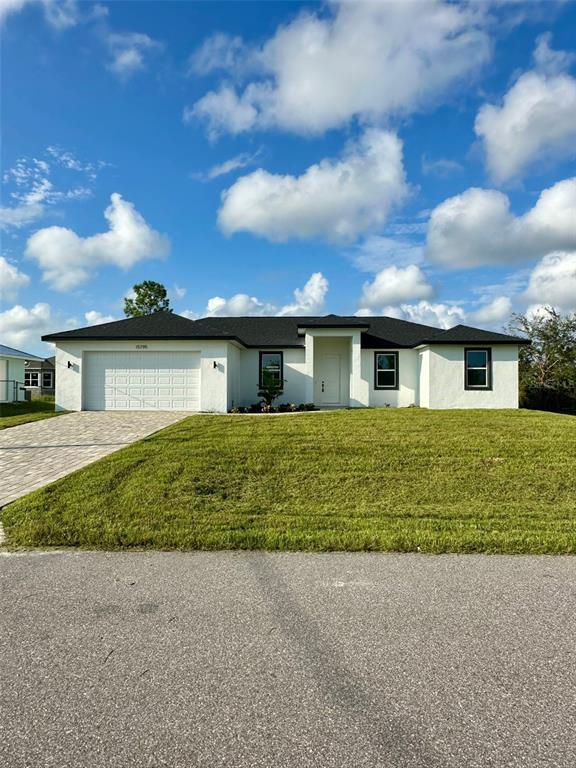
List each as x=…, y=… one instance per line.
x=13, y=414
x=405, y=480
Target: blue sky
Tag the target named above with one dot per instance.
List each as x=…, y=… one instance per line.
x=410, y=159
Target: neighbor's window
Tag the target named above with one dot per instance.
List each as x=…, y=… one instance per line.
x=31, y=379
x=271, y=368
x=386, y=370
x=477, y=365
x=47, y=379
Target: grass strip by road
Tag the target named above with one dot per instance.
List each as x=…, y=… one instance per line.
x=404, y=480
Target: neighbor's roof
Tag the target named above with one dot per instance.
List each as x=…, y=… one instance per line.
x=9, y=352
x=377, y=332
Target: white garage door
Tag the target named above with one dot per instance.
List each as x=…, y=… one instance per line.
x=142, y=381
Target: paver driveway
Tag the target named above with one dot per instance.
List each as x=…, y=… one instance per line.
x=35, y=454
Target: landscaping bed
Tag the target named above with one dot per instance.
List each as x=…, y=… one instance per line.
x=388, y=479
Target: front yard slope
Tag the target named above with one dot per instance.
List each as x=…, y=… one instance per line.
x=405, y=480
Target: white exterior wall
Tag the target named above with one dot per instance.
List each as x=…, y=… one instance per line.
x=233, y=376
x=407, y=392
x=446, y=378
x=213, y=380
x=11, y=369
x=424, y=378
x=294, y=375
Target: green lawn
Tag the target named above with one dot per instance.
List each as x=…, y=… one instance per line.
x=12, y=414
x=407, y=480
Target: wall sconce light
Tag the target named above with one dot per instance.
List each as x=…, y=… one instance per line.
x=70, y=365
x=215, y=364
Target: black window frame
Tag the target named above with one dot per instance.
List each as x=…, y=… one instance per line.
x=263, y=352
x=51, y=375
x=30, y=374
x=396, y=370
x=478, y=387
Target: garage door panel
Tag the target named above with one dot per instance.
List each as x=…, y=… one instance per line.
x=141, y=381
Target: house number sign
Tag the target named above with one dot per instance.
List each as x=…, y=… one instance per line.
x=141, y=346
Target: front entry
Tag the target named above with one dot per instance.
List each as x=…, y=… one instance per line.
x=329, y=377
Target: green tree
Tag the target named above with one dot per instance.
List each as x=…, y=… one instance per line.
x=548, y=366
x=149, y=297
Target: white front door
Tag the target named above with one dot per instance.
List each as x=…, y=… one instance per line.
x=329, y=375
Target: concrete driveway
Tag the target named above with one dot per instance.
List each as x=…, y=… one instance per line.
x=255, y=660
x=35, y=454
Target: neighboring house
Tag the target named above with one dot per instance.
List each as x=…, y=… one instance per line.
x=167, y=362
x=12, y=367
x=39, y=376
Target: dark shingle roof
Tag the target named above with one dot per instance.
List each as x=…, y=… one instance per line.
x=377, y=332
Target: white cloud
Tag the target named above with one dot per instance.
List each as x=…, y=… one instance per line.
x=11, y=280
x=549, y=60
x=67, y=260
x=442, y=167
x=60, y=14
x=376, y=252
x=553, y=281
x=179, y=292
x=477, y=227
x=218, y=52
x=437, y=315
x=537, y=118
x=20, y=326
x=17, y=216
x=33, y=189
x=93, y=317
x=368, y=60
x=495, y=311
x=228, y=166
x=333, y=199
x=308, y=300
x=394, y=285
x=128, y=51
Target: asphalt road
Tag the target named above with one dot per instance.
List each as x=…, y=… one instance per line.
x=249, y=659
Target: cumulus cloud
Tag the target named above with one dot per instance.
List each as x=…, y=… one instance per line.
x=94, y=317
x=67, y=260
x=128, y=52
x=368, y=60
x=333, y=199
x=20, y=326
x=394, y=285
x=437, y=315
x=308, y=300
x=477, y=227
x=11, y=280
x=220, y=51
x=552, y=282
x=536, y=120
x=495, y=311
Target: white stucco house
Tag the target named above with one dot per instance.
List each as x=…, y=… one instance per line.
x=168, y=362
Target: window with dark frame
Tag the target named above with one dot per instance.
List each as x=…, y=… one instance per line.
x=31, y=379
x=478, y=368
x=386, y=370
x=47, y=379
x=271, y=368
